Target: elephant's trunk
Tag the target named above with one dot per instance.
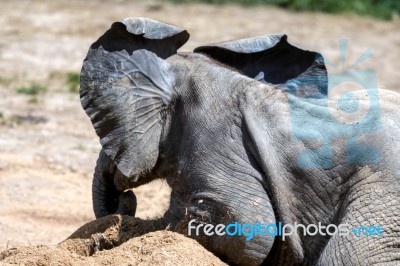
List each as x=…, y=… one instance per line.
x=105, y=197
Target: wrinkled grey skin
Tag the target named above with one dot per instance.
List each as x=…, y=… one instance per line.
x=216, y=125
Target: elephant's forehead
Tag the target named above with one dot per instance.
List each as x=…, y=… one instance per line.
x=189, y=58
x=192, y=65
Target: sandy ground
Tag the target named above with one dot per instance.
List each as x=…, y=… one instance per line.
x=48, y=149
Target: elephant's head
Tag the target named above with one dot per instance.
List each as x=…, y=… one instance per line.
x=129, y=86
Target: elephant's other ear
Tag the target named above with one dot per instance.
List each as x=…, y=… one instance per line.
x=268, y=58
x=126, y=85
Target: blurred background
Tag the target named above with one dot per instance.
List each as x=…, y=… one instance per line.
x=48, y=148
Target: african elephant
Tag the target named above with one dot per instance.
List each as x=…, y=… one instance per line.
x=243, y=131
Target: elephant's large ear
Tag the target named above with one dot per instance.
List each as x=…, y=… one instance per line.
x=269, y=58
x=126, y=85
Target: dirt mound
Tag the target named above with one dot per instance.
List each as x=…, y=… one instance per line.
x=111, y=241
